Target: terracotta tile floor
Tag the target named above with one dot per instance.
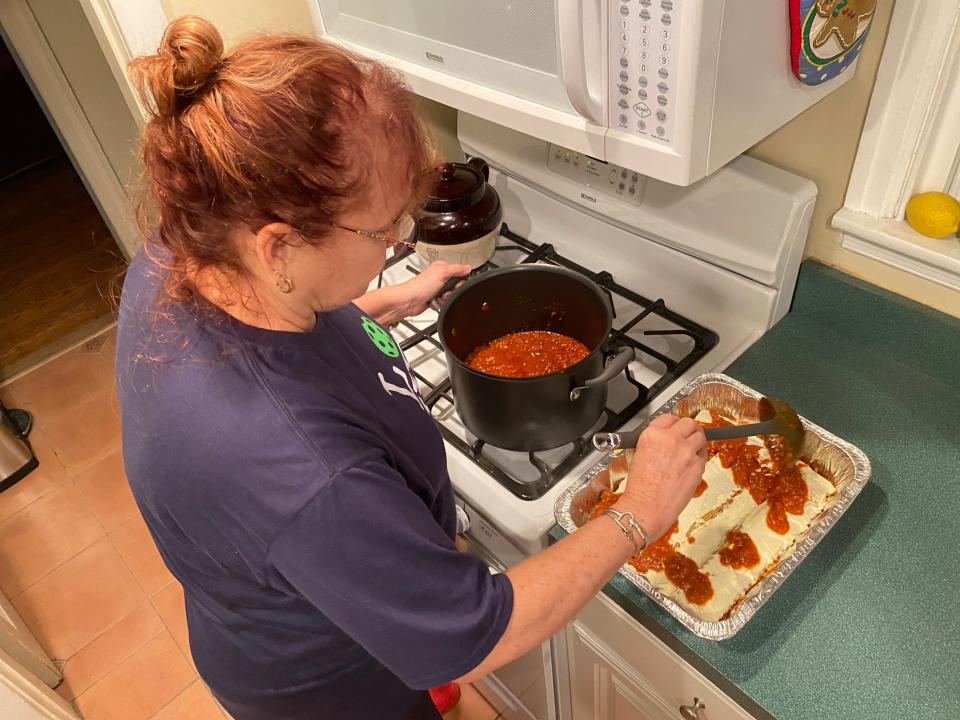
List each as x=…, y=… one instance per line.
x=78, y=563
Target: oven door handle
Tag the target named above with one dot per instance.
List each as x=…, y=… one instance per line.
x=573, y=26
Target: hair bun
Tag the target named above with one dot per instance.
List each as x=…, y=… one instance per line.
x=187, y=60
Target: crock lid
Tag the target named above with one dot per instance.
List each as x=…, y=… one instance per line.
x=458, y=186
x=462, y=205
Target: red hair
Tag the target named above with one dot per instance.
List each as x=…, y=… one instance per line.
x=271, y=131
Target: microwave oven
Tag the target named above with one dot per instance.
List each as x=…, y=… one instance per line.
x=672, y=89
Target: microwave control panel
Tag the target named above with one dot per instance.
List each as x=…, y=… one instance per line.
x=643, y=41
x=598, y=175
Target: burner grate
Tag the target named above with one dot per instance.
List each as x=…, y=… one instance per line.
x=548, y=472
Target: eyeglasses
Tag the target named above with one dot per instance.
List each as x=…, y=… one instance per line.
x=405, y=230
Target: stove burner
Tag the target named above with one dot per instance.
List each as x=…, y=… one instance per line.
x=550, y=466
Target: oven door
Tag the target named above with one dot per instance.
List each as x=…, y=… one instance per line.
x=547, y=52
x=523, y=689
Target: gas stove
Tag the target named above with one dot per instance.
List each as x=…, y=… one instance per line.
x=696, y=276
x=665, y=342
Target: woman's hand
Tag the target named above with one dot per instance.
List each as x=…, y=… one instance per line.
x=665, y=471
x=419, y=291
x=395, y=302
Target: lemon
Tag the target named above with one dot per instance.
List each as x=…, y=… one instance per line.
x=934, y=214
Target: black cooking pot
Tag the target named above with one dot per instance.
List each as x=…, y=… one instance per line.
x=536, y=413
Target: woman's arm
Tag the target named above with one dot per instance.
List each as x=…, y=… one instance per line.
x=395, y=302
x=551, y=587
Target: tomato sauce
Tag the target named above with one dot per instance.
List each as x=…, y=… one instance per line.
x=661, y=556
x=527, y=354
x=778, y=483
x=607, y=499
x=740, y=551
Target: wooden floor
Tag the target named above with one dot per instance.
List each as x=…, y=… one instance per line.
x=58, y=264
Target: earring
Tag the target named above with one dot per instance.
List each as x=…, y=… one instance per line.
x=284, y=283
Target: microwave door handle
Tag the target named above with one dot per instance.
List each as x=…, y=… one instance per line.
x=573, y=65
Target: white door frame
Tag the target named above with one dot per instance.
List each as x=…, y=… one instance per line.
x=41, y=66
x=28, y=698
x=125, y=29
x=18, y=642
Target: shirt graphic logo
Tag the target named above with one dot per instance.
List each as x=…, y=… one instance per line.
x=380, y=338
x=406, y=390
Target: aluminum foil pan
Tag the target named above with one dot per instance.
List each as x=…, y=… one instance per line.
x=837, y=460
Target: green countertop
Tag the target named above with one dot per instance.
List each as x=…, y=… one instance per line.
x=869, y=625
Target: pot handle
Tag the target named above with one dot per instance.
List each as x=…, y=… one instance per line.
x=447, y=287
x=613, y=368
x=480, y=164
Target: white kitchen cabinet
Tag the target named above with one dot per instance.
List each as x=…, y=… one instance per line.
x=620, y=671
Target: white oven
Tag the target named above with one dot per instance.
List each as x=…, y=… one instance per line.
x=672, y=89
x=722, y=254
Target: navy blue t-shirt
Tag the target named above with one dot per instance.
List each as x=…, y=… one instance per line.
x=296, y=486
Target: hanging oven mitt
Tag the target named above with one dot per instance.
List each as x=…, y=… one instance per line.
x=827, y=35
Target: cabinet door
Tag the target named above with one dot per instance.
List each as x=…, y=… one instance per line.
x=621, y=671
x=604, y=688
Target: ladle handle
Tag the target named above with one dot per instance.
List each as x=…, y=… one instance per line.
x=615, y=441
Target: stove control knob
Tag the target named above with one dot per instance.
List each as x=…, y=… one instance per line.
x=463, y=520
x=692, y=712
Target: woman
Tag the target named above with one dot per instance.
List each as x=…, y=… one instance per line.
x=306, y=511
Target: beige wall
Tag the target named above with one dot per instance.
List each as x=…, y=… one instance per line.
x=236, y=18
x=80, y=58
x=821, y=144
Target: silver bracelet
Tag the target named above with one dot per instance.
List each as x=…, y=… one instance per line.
x=628, y=524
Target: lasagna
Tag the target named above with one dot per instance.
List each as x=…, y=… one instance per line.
x=753, y=502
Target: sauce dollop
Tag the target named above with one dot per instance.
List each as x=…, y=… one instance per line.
x=740, y=551
x=527, y=354
x=777, y=482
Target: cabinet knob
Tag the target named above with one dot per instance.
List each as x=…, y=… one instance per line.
x=692, y=712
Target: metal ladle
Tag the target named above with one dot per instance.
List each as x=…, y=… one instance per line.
x=779, y=419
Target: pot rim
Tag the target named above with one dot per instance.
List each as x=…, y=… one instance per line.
x=527, y=267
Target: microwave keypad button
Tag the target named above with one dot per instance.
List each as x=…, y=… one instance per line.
x=667, y=5
x=664, y=47
x=642, y=82
x=643, y=67
x=643, y=110
x=633, y=190
x=624, y=38
x=660, y=131
x=665, y=34
x=624, y=10
x=623, y=174
x=644, y=14
x=620, y=187
x=623, y=104
x=624, y=90
x=665, y=19
x=661, y=116
x=624, y=25
x=662, y=100
x=644, y=42
x=664, y=60
x=624, y=62
x=646, y=3
x=623, y=120
x=624, y=77
x=642, y=94
x=641, y=125
x=644, y=29
x=613, y=177
x=663, y=87
x=643, y=54
x=634, y=177
x=664, y=73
